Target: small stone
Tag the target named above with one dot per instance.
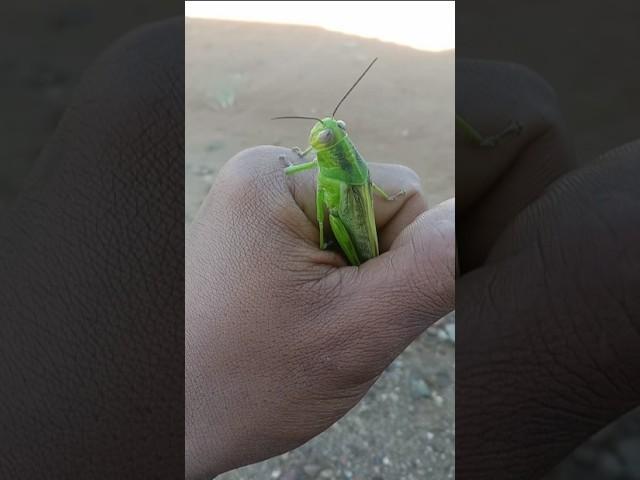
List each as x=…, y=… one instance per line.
x=451, y=331
x=430, y=436
x=386, y=461
x=312, y=469
x=276, y=473
x=326, y=473
x=438, y=400
x=419, y=388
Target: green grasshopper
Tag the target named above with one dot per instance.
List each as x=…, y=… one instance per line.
x=343, y=186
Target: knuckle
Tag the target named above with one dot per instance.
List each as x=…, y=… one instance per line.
x=251, y=175
x=413, y=182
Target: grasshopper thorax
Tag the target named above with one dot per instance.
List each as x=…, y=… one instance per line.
x=327, y=133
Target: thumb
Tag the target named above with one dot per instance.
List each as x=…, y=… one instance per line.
x=413, y=284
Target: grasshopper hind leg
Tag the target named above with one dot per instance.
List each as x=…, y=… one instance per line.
x=344, y=239
x=320, y=216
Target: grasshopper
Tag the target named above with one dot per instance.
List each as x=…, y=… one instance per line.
x=344, y=186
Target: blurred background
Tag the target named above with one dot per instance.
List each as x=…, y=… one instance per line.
x=589, y=55
x=249, y=62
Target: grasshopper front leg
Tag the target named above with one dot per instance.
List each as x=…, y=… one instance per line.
x=513, y=128
x=294, y=168
x=385, y=195
x=301, y=153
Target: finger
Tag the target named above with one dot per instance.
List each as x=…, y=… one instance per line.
x=254, y=203
x=395, y=296
x=560, y=288
x=494, y=184
x=252, y=185
x=490, y=96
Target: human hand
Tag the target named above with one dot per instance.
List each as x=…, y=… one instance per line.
x=548, y=313
x=282, y=338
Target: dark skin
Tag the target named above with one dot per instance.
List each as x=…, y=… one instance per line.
x=283, y=339
x=547, y=307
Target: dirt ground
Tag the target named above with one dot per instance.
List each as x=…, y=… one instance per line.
x=238, y=75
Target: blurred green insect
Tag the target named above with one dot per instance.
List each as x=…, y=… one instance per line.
x=344, y=186
x=476, y=138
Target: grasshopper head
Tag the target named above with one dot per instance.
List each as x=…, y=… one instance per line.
x=327, y=133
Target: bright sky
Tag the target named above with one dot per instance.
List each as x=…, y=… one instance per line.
x=422, y=25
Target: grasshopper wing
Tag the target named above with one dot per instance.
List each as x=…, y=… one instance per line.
x=357, y=215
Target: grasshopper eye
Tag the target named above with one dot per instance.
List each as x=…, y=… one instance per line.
x=341, y=124
x=325, y=136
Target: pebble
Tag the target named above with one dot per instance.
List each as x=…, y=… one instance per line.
x=442, y=335
x=276, y=473
x=451, y=331
x=312, y=469
x=419, y=388
x=326, y=473
x=447, y=333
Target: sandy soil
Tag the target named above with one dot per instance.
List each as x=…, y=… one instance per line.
x=238, y=75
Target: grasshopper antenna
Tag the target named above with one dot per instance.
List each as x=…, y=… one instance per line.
x=304, y=118
x=352, y=87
